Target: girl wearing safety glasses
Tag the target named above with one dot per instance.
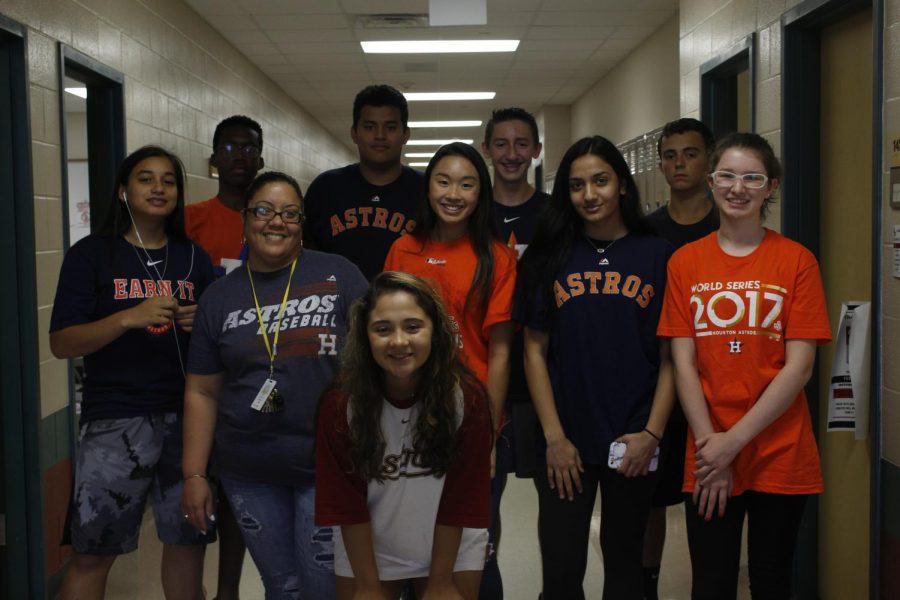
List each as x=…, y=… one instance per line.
x=745, y=310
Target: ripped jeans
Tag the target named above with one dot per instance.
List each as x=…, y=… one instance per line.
x=294, y=557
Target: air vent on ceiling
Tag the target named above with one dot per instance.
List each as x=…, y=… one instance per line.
x=392, y=21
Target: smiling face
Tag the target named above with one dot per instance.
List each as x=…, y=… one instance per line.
x=152, y=189
x=595, y=192
x=738, y=202
x=400, y=338
x=511, y=150
x=273, y=244
x=380, y=135
x=453, y=189
x=684, y=162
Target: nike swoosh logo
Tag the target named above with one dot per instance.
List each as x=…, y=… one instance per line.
x=510, y=220
x=153, y=263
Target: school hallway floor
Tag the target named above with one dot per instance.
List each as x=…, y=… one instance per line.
x=136, y=576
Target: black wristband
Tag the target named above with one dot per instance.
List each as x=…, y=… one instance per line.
x=653, y=435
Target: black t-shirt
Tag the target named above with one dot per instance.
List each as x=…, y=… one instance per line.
x=347, y=215
x=138, y=373
x=516, y=225
x=677, y=234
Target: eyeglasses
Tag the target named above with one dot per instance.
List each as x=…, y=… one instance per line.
x=248, y=150
x=727, y=179
x=264, y=213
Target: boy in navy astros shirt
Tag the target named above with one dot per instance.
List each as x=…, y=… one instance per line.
x=359, y=210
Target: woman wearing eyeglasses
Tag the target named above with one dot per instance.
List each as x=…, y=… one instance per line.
x=255, y=389
x=745, y=310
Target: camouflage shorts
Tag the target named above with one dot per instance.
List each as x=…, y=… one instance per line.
x=119, y=463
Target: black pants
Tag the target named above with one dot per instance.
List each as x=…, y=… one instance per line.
x=564, y=532
x=715, y=546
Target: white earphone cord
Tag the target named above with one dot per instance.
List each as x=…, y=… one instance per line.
x=159, y=277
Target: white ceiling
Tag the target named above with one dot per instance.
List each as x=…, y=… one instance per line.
x=311, y=48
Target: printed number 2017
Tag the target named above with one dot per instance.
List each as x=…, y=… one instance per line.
x=750, y=303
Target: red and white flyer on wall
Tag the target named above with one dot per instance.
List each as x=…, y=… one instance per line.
x=848, y=394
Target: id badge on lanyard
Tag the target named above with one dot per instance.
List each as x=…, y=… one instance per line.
x=267, y=399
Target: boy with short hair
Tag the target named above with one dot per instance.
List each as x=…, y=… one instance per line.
x=511, y=143
x=684, y=147
x=216, y=225
x=359, y=210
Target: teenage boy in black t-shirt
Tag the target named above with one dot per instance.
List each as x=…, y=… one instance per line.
x=684, y=148
x=511, y=143
x=359, y=210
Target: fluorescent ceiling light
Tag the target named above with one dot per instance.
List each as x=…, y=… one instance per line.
x=438, y=46
x=418, y=164
x=445, y=123
x=435, y=142
x=81, y=92
x=414, y=96
x=419, y=154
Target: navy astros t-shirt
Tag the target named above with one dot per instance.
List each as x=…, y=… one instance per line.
x=603, y=356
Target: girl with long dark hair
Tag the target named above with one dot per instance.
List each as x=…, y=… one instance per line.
x=455, y=247
x=590, y=290
x=403, y=455
x=126, y=302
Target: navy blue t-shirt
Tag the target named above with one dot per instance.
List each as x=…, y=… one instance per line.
x=274, y=447
x=139, y=372
x=603, y=356
x=347, y=215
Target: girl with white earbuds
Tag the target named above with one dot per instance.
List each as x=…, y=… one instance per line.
x=125, y=301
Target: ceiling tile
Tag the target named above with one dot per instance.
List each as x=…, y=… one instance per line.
x=207, y=8
x=247, y=36
x=286, y=36
x=290, y=7
x=304, y=23
x=228, y=23
x=304, y=48
x=310, y=48
x=516, y=18
x=638, y=34
x=264, y=49
x=384, y=7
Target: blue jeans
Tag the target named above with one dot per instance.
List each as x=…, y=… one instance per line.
x=294, y=557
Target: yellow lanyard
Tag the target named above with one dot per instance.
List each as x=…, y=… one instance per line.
x=273, y=349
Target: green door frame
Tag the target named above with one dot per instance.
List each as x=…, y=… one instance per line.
x=23, y=568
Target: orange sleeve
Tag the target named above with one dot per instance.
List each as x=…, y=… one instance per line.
x=675, y=319
x=503, y=288
x=809, y=314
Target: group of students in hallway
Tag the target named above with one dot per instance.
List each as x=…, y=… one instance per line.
x=343, y=380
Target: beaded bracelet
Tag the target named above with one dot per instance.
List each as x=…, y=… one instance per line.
x=201, y=476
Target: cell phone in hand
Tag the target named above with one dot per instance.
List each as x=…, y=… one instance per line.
x=617, y=453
